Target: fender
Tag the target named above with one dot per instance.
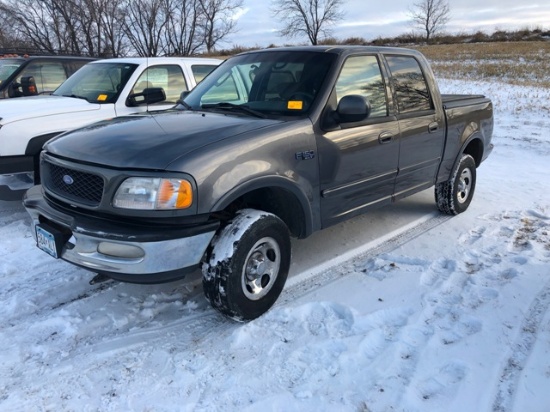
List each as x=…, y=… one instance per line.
x=310, y=220
x=476, y=152
x=470, y=134
x=35, y=144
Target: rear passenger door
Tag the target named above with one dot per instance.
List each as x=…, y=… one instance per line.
x=358, y=161
x=422, y=131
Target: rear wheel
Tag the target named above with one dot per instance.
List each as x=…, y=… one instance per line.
x=455, y=195
x=247, y=267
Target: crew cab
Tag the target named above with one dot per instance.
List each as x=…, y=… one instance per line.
x=102, y=89
x=273, y=144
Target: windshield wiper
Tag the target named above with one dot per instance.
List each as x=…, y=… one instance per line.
x=235, y=107
x=187, y=106
x=76, y=97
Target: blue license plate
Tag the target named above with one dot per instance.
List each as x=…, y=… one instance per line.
x=46, y=241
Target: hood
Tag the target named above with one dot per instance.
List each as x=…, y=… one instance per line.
x=12, y=110
x=150, y=141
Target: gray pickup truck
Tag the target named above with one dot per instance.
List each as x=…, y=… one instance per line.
x=272, y=144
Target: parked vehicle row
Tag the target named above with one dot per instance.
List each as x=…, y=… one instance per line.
x=102, y=89
x=273, y=144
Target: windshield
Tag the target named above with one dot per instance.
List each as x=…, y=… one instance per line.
x=7, y=67
x=278, y=83
x=97, y=82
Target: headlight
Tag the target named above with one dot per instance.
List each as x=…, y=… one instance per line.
x=154, y=193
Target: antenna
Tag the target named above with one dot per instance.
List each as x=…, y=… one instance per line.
x=147, y=76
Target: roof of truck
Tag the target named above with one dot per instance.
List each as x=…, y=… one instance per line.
x=27, y=57
x=339, y=49
x=142, y=60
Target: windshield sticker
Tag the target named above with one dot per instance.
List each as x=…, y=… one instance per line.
x=102, y=97
x=295, y=105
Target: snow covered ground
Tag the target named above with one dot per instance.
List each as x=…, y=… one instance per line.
x=445, y=314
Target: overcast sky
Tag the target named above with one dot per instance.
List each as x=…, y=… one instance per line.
x=372, y=19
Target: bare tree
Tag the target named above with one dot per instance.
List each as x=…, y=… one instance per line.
x=181, y=37
x=102, y=23
x=114, y=28
x=430, y=16
x=144, y=25
x=42, y=25
x=92, y=27
x=307, y=17
x=217, y=20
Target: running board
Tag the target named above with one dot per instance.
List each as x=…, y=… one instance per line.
x=11, y=195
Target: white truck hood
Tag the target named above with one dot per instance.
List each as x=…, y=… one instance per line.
x=12, y=110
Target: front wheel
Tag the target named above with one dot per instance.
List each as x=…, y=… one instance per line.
x=248, y=264
x=455, y=195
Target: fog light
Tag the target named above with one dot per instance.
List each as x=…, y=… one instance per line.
x=120, y=251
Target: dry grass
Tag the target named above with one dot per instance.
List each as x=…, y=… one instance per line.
x=518, y=63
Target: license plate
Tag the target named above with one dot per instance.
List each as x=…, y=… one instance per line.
x=46, y=241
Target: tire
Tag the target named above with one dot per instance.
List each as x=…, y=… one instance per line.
x=455, y=195
x=248, y=264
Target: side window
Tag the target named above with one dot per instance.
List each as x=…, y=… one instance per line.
x=410, y=86
x=201, y=70
x=48, y=76
x=169, y=77
x=361, y=75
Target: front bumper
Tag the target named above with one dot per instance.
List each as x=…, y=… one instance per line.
x=138, y=254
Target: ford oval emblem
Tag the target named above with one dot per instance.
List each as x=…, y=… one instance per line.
x=68, y=180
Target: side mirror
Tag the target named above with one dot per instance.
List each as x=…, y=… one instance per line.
x=28, y=86
x=13, y=89
x=353, y=108
x=150, y=95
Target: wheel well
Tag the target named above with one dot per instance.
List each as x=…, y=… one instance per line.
x=278, y=201
x=475, y=149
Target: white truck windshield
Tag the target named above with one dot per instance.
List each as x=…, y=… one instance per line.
x=97, y=82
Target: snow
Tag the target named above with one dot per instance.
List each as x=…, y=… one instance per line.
x=447, y=314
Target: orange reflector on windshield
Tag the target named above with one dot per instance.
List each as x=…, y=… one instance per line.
x=295, y=105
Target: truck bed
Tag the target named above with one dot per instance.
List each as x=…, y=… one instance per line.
x=457, y=100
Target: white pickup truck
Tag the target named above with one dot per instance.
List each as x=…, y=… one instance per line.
x=101, y=90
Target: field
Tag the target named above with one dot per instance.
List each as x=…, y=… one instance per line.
x=517, y=63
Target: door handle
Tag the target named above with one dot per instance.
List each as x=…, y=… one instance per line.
x=432, y=127
x=385, y=137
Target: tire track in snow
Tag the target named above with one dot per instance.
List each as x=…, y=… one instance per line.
x=334, y=269
x=521, y=348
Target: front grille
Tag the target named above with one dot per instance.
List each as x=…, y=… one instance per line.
x=73, y=184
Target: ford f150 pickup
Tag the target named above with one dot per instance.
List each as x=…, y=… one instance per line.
x=272, y=144
x=100, y=90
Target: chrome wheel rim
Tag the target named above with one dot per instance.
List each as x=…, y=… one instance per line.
x=464, y=185
x=261, y=268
